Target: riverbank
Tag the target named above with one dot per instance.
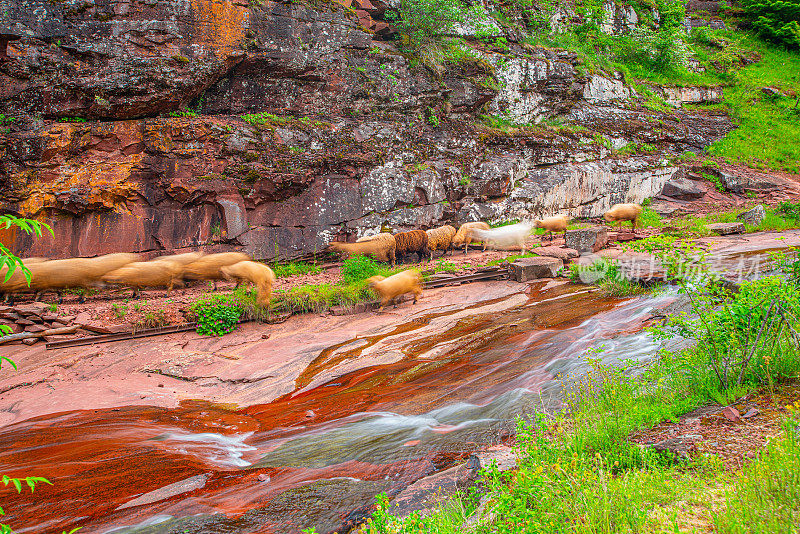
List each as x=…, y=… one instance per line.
x=318, y=409
x=705, y=438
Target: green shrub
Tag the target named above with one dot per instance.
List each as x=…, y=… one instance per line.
x=217, y=315
x=357, y=268
x=776, y=20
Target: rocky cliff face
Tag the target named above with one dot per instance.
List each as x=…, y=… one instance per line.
x=343, y=134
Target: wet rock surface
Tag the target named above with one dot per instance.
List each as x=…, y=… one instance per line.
x=336, y=144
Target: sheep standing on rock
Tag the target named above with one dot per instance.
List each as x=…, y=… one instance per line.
x=140, y=274
x=413, y=242
x=465, y=236
x=257, y=274
x=208, y=267
x=388, y=289
x=440, y=239
x=623, y=212
x=553, y=224
x=381, y=247
x=505, y=236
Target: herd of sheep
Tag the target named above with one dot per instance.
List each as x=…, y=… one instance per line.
x=127, y=270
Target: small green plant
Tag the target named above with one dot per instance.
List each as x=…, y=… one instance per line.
x=53, y=307
x=153, y=319
x=433, y=118
x=72, y=119
x=217, y=315
x=283, y=270
x=120, y=310
x=186, y=113
x=358, y=268
x=714, y=180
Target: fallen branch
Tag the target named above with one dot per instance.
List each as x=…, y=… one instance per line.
x=43, y=333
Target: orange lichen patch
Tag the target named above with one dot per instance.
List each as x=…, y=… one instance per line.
x=107, y=184
x=219, y=23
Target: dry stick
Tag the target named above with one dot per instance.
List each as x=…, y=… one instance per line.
x=28, y=335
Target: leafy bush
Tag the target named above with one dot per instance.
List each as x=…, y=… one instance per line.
x=776, y=20
x=423, y=21
x=217, y=315
x=358, y=268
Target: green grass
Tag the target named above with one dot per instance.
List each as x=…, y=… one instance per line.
x=768, y=135
x=283, y=270
x=320, y=297
x=766, y=498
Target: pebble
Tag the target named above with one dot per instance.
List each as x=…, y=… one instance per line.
x=263, y=477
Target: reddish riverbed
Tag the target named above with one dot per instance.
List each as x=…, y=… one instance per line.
x=298, y=430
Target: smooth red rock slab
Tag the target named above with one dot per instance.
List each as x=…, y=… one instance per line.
x=731, y=414
x=727, y=228
x=562, y=253
x=34, y=328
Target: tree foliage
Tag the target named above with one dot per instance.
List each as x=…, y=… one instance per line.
x=776, y=20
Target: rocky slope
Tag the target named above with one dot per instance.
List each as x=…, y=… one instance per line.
x=344, y=134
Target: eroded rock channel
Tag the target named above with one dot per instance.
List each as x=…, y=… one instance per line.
x=327, y=430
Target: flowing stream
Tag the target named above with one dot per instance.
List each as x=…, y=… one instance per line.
x=317, y=456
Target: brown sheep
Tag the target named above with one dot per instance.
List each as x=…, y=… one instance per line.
x=623, y=212
x=553, y=224
x=464, y=235
x=256, y=273
x=139, y=274
x=382, y=249
x=208, y=267
x=183, y=259
x=412, y=242
x=388, y=289
x=17, y=279
x=440, y=239
x=56, y=275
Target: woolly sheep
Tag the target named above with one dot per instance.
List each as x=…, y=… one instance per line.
x=17, y=280
x=157, y=273
x=208, y=267
x=464, y=235
x=382, y=249
x=553, y=224
x=183, y=259
x=256, y=273
x=412, y=242
x=56, y=275
x=440, y=239
x=623, y=212
x=408, y=281
x=505, y=236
